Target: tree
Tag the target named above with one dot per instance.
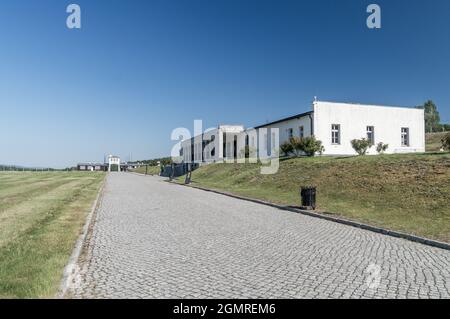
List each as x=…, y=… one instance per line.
x=432, y=117
x=361, y=146
x=381, y=147
x=446, y=142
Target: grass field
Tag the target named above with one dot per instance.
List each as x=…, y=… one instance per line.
x=41, y=216
x=409, y=193
x=152, y=170
x=433, y=141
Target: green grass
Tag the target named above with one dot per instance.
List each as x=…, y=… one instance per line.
x=41, y=217
x=433, y=141
x=409, y=193
x=152, y=170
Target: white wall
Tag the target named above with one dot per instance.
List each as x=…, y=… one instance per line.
x=354, y=119
x=295, y=125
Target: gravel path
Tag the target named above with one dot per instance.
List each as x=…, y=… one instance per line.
x=152, y=239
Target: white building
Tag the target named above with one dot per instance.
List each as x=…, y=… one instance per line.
x=334, y=124
x=206, y=147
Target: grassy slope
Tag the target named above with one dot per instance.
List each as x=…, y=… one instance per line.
x=433, y=141
x=409, y=193
x=41, y=216
x=152, y=170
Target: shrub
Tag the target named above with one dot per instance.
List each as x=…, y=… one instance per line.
x=306, y=145
x=381, y=147
x=286, y=148
x=296, y=144
x=361, y=146
x=446, y=142
x=310, y=146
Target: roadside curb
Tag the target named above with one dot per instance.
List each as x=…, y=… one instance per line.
x=392, y=233
x=69, y=270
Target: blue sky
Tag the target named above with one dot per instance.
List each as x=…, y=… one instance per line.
x=138, y=69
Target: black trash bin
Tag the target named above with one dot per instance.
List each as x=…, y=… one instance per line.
x=308, y=195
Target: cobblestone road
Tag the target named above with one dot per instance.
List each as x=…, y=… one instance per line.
x=152, y=239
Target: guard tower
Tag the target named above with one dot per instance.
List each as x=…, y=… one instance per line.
x=113, y=162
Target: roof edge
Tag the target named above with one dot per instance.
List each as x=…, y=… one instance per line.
x=286, y=119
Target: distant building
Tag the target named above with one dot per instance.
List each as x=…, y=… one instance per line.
x=111, y=163
x=92, y=167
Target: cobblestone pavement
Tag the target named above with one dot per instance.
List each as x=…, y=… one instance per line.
x=152, y=239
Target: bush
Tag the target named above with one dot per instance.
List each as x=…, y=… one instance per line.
x=361, y=146
x=310, y=146
x=296, y=144
x=446, y=142
x=286, y=148
x=306, y=145
x=381, y=147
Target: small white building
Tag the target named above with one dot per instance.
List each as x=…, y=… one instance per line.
x=334, y=124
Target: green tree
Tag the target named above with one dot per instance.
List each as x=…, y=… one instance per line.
x=432, y=118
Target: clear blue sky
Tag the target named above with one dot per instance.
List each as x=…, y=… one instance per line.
x=138, y=69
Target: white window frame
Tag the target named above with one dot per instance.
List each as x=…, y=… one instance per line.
x=370, y=131
x=336, y=129
x=405, y=134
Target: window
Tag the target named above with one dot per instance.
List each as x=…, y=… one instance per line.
x=371, y=134
x=290, y=132
x=405, y=136
x=301, y=131
x=335, y=134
